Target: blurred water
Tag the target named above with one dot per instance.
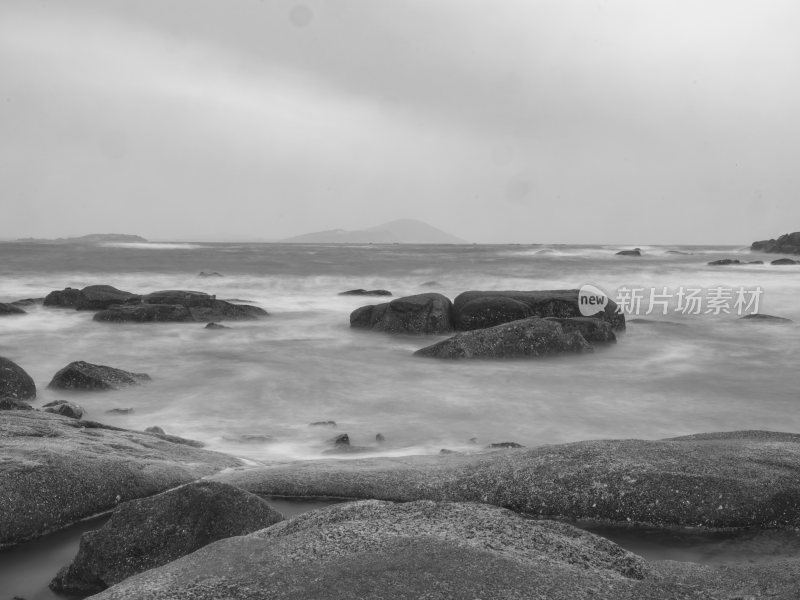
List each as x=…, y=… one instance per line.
x=304, y=363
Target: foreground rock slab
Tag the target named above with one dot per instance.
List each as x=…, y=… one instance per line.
x=150, y=532
x=525, y=338
x=714, y=480
x=417, y=550
x=81, y=375
x=15, y=381
x=56, y=470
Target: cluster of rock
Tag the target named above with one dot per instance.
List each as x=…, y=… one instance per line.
x=788, y=243
x=736, y=261
x=495, y=324
x=175, y=306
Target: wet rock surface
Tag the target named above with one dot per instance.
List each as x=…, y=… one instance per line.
x=80, y=375
x=15, y=381
x=419, y=314
x=10, y=309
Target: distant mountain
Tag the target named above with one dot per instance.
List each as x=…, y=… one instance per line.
x=402, y=231
x=92, y=238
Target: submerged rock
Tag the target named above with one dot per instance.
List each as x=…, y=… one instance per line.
x=765, y=318
x=57, y=470
x=634, y=252
x=64, y=408
x=10, y=309
x=209, y=274
x=419, y=314
x=322, y=424
x=155, y=429
x=363, y=292
x=725, y=261
x=150, y=532
x=478, y=309
x=15, y=382
x=80, y=375
x=533, y=337
x=374, y=549
x=120, y=411
x=215, y=326
x=784, y=261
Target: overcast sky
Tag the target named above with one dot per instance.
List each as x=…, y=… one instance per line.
x=619, y=121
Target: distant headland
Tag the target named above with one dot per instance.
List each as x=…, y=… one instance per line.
x=92, y=238
x=401, y=231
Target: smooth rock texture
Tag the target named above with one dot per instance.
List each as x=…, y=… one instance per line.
x=784, y=261
x=714, y=480
x=99, y=297
x=10, y=309
x=541, y=303
x=15, y=381
x=56, y=470
x=80, y=375
x=150, y=532
x=533, y=337
x=419, y=314
x=381, y=550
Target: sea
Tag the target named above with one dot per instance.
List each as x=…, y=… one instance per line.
x=253, y=389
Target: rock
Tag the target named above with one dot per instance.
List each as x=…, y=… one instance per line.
x=488, y=311
x=120, y=411
x=765, y=318
x=155, y=429
x=28, y=301
x=64, y=408
x=322, y=424
x=56, y=470
x=209, y=274
x=533, y=337
x=10, y=309
x=541, y=303
x=150, y=532
x=66, y=298
x=788, y=243
x=419, y=314
x=374, y=549
x=216, y=326
x=725, y=261
x=81, y=375
x=634, y=252
x=340, y=440
x=14, y=404
x=248, y=438
x=713, y=480
x=362, y=292
x=145, y=313
x=505, y=445
x=678, y=252
x=430, y=284
x=380, y=438
x=593, y=330
x=755, y=262
x=784, y=261
x=100, y=297
x=15, y=382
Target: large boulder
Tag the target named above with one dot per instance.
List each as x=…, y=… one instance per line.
x=15, y=382
x=80, y=375
x=56, y=471
x=10, y=309
x=479, y=309
x=100, y=297
x=788, y=243
x=180, y=306
x=419, y=314
x=417, y=550
x=66, y=298
x=713, y=480
x=532, y=337
x=149, y=532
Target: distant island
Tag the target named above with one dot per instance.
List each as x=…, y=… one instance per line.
x=401, y=231
x=92, y=238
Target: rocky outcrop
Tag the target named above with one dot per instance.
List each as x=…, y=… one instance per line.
x=416, y=550
x=15, y=382
x=64, y=408
x=478, y=309
x=714, y=480
x=99, y=297
x=66, y=298
x=634, y=252
x=57, y=470
x=533, y=337
x=81, y=375
x=179, y=306
x=419, y=314
x=363, y=292
x=789, y=243
x=147, y=533
x=10, y=309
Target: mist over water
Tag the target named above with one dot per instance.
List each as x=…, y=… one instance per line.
x=303, y=363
